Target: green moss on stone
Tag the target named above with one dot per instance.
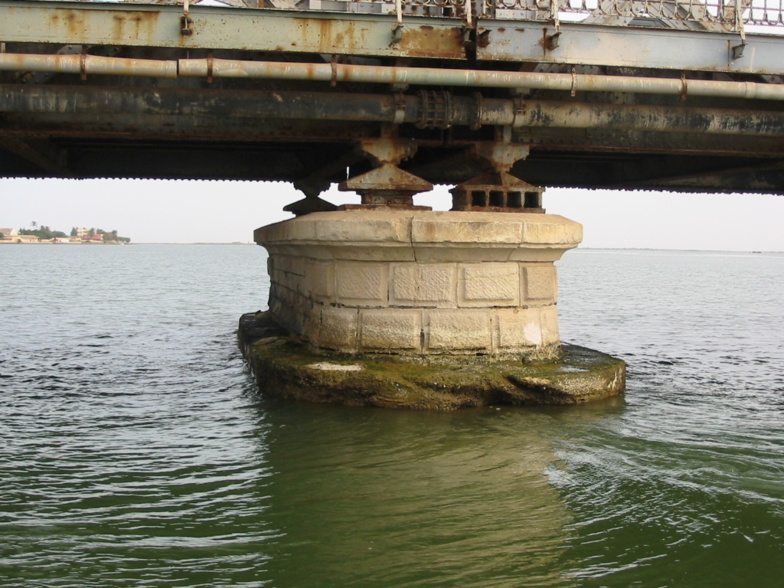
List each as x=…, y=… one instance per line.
x=286, y=367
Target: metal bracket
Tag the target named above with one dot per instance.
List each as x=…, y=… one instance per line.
x=737, y=50
x=397, y=34
x=551, y=41
x=519, y=110
x=186, y=22
x=185, y=26
x=83, y=64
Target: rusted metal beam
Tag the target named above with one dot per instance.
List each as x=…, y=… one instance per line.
x=212, y=27
x=411, y=109
x=351, y=33
x=665, y=49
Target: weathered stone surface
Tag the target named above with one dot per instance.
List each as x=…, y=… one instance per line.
x=540, y=282
x=338, y=329
x=381, y=327
x=423, y=284
x=320, y=279
x=285, y=367
x=519, y=328
x=489, y=284
x=459, y=330
x=361, y=283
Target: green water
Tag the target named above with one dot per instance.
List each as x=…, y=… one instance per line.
x=135, y=450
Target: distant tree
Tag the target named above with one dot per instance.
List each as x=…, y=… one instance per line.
x=91, y=232
x=33, y=224
x=43, y=232
x=74, y=232
x=1, y=235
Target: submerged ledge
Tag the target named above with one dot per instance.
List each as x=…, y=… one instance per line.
x=284, y=366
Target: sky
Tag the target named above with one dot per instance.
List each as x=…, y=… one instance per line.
x=155, y=211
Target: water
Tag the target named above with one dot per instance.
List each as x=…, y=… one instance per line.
x=135, y=451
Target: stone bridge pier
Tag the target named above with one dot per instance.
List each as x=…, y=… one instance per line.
x=419, y=283
x=390, y=304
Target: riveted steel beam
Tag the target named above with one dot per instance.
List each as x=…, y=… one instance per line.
x=227, y=28
x=665, y=49
x=28, y=21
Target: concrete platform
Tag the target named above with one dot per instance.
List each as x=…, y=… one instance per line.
x=285, y=366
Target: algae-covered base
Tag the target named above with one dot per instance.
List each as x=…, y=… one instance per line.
x=286, y=367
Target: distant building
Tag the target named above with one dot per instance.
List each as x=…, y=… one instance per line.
x=13, y=236
x=8, y=234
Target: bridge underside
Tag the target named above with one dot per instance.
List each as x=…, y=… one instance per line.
x=71, y=104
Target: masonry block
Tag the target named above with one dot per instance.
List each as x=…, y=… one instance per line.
x=418, y=284
x=292, y=264
x=387, y=330
x=489, y=284
x=518, y=328
x=361, y=283
x=548, y=318
x=459, y=330
x=466, y=227
x=339, y=329
x=540, y=283
x=320, y=280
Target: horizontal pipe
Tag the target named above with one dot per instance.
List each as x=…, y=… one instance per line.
x=429, y=76
x=88, y=65
x=424, y=76
x=465, y=111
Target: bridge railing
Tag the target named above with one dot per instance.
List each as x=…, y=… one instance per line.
x=725, y=12
x=727, y=15
x=712, y=15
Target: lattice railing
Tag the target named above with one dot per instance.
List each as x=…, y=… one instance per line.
x=724, y=15
x=725, y=12
x=712, y=14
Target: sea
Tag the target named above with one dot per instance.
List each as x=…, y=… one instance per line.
x=136, y=450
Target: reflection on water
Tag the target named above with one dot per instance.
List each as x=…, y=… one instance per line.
x=400, y=498
x=134, y=450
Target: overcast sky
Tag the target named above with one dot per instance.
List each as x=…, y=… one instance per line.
x=225, y=212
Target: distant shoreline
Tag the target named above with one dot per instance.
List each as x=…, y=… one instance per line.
x=9, y=242
x=578, y=249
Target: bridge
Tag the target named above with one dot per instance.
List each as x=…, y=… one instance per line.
x=386, y=98
x=645, y=94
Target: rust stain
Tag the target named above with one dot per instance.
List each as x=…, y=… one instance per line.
x=72, y=20
x=325, y=35
x=429, y=42
x=134, y=25
x=118, y=27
